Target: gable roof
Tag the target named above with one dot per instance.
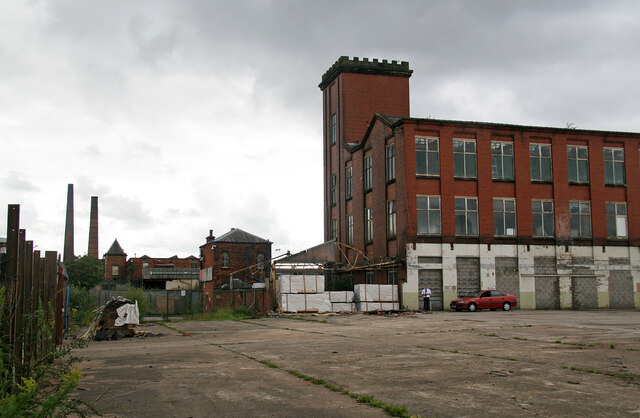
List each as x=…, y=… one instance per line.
x=239, y=236
x=115, y=249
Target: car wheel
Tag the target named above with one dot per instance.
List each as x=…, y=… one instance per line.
x=506, y=306
x=472, y=307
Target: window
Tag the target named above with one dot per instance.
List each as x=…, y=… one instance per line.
x=334, y=229
x=332, y=129
x=542, y=211
x=348, y=189
x=428, y=208
x=391, y=219
x=145, y=265
x=115, y=270
x=349, y=229
x=225, y=261
x=427, y=157
x=616, y=220
x=540, y=156
x=392, y=277
x=391, y=162
x=194, y=265
x=504, y=217
x=368, y=225
x=502, y=160
x=369, y=277
x=260, y=261
x=578, y=164
x=333, y=189
x=367, y=173
x=466, y=215
x=580, y=213
x=614, y=166
x=464, y=158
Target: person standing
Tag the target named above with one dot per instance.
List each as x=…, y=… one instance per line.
x=426, y=296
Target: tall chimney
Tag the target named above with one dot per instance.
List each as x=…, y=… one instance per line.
x=68, y=227
x=93, y=229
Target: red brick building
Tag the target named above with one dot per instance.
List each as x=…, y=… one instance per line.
x=115, y=263
x=151, y=272
x=551, y=215
x=236, y=253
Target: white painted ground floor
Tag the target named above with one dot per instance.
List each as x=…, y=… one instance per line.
x=541, y=276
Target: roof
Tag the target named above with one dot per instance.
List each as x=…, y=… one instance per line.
x=237, y=235
x=320, y=254
x=115, y=249
x=394, y=121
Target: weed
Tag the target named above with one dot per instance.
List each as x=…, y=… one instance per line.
x=270, y=364
x=521, y=338
x=394, y=410
x=223, y=314
x=491, y=335
x=558, y=341
x=179, y=331
x=612, y=346
x=299, y=318
x=623, y=376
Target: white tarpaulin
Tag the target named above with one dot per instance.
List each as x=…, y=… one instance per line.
x=127, y=314
x=343, y=307
x=305, y=302
x=377, y=306
x=297, y=283
x=341, y=296
x=376, y=292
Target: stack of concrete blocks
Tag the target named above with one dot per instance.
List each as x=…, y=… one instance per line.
x=376, y=297
x=342, y=301
x=303, y=293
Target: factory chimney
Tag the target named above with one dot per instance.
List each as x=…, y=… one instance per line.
x=68, y=227
x=93, y=229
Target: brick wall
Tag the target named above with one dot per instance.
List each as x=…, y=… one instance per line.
x=241, y=255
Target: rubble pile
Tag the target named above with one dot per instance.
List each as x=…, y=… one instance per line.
x=117, y=319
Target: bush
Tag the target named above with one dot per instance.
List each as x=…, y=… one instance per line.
x=81, y=306
x=137, y=294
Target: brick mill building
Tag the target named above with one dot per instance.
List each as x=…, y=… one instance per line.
x=237, y=253
x=551, y=215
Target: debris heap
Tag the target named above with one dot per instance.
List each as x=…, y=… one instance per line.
x=117, y=319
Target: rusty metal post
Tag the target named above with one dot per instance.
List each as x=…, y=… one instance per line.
x=11, y=267
x=35, y=297
x=18, y=333
x=50, y=282
x=28, y=295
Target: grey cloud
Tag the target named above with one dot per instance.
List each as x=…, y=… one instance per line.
x=18, y=182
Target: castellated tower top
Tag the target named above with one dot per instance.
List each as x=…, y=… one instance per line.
x=365, y=66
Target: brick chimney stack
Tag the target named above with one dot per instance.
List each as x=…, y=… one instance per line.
x=68, y=227
x=93, y=229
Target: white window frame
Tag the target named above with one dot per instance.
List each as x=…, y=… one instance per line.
x=467, y=174
x=502, y=215
x=423, y=145
x=541, y=215
x=500, y=157
x=580, y=216
x=391, y=219
x=617, y=219
x=576, y=161
x=469, y=215
x=611, y=163
x=428, y=213
x=537, y=160
x=368, y=225
x=367, y=173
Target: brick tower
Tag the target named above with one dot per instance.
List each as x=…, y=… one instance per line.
x=353, y=90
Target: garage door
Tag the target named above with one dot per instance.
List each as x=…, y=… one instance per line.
x=468, y=269
x=507, y=278
x=620, y=286
x=584, y=290
x=433, y=279
x=547, y=291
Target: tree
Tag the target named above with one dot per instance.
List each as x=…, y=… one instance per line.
x=84, y=271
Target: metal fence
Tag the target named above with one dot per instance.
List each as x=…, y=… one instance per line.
x=161, y=302
x=32, y=300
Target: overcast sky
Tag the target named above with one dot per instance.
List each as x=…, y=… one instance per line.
x=185, y=116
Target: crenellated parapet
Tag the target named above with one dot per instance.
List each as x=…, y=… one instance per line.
x=366, y=66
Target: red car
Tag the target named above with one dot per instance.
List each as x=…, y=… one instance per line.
x=486, y=299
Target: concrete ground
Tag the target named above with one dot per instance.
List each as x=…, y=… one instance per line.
x=518, y=363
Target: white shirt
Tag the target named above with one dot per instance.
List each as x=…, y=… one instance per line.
x=426, y=293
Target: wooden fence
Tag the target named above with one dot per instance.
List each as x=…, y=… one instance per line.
x=32, y=296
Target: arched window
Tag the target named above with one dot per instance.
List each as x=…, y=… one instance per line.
x=260, y=261
x=225, y=260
